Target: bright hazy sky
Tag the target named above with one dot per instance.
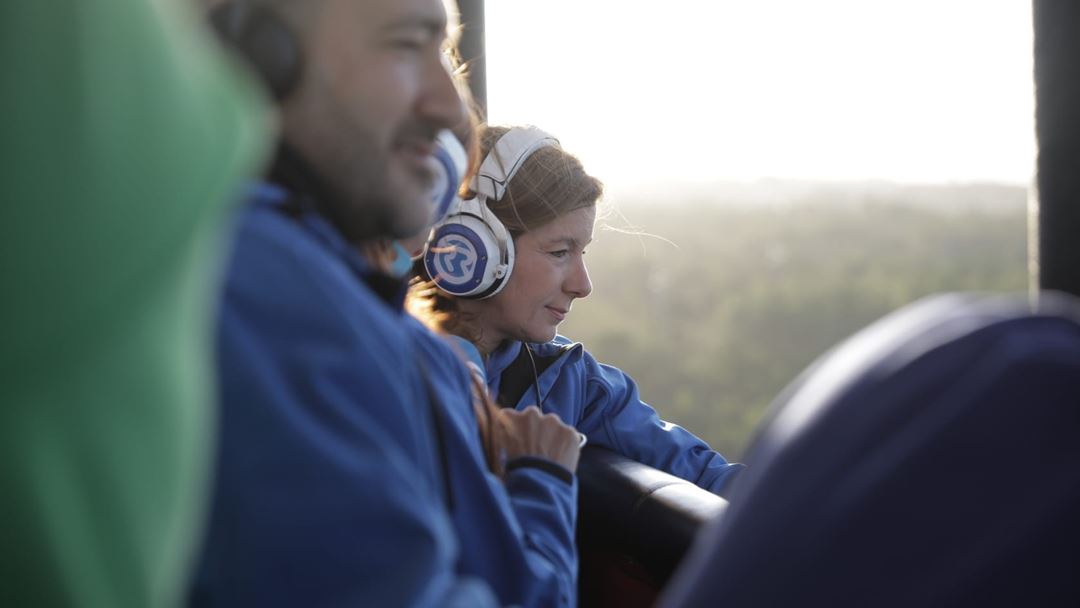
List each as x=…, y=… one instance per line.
x=706, y=90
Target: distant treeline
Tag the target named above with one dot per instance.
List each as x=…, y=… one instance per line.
x=716, y=325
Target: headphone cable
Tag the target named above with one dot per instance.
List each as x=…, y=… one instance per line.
x=536, y=376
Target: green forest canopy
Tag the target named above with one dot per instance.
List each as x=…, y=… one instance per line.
x=714, y=324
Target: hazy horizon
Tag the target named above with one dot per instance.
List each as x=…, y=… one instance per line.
x=968, y=194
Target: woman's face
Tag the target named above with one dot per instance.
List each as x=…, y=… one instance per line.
x=549, y=274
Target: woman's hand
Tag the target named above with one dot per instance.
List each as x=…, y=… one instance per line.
x=530, y=432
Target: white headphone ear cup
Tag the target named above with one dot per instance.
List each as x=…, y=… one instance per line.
x=463, y=257
x=507, y=267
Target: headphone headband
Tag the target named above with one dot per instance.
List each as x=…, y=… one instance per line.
x=506, y=157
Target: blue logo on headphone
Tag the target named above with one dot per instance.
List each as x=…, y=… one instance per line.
x=455, y=260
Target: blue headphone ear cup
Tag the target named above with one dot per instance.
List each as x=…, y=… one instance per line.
x=450, y=165
x=265, y=41
x=464, y=258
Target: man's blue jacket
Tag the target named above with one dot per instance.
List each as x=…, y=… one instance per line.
x=517, y=533
x=329, y=486
x=350, y=468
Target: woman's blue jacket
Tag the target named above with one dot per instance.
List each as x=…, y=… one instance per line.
x=603, y=403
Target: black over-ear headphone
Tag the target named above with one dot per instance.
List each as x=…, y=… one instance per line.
x=470, y=254
x=264, y=40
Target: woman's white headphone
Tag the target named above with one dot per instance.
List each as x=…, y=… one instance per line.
x=470, y=253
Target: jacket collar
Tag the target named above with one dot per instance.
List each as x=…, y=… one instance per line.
x=502, y=357
x=274, y=196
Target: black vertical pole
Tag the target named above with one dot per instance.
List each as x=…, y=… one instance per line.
x=1057, y=126
x=472, y=49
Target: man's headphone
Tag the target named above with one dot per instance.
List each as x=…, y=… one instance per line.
x=264, y=40
x=470, y=253
x=450, y=164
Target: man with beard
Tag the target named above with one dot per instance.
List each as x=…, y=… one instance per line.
x=330, y=486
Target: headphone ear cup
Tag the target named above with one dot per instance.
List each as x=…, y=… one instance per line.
x=451, y=162
x=265, y=41
x=464, y=258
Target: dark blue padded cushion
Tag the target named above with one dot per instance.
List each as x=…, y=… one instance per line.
x=931, y=460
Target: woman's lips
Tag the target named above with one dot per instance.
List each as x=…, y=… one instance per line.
x=558, y=313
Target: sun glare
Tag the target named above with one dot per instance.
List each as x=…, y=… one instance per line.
x=695, y=92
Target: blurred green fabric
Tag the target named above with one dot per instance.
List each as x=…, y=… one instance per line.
x=124, y=136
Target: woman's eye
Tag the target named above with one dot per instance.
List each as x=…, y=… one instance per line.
x=560, y=253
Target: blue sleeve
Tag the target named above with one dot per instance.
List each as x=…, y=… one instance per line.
x=326, y=492
x=615, y=417
x=528, y=520
x=546, y=509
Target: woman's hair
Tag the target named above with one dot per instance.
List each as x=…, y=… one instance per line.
x=550, y=183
